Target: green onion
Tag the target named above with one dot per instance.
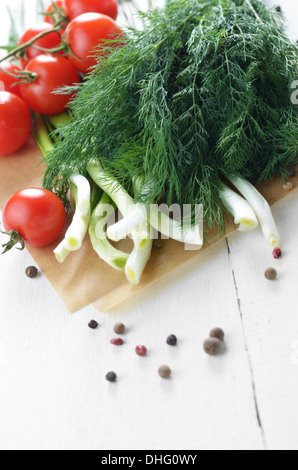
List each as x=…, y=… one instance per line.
x=170, y=228
x=261, y=209
x=83, y=193
x=142, y=242
x=78, y=228
x=128, y=224
x=59, y=120
x=110, y=186
x=183, y=232
x=41, y=135
x=138, y=259
x=240, y=210
x=61, y=252
x=115, y=258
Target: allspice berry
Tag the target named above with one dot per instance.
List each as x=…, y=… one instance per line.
x=31, y=271
x=271, y=274
x=119, y=328
x=164, y=372
x=288, y=186
x=217, y=333
x=212, y=346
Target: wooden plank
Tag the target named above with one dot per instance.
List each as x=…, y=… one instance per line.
x=54, y=393
x=270, y=322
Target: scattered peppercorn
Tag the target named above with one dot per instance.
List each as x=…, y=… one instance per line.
x=292, y=171
x=277, y=253
x=117, y=341
x=31, y=271
x=217, y=333
x=111, y=377
x=278, y=9
x=288, y=186
x=271, y=274
x=119, y=328
x=93, y=325
x=212, y=346
x=141, y=350
x=172, y=340
x=164, y=372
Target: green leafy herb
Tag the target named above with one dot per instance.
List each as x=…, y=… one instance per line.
x=201, y=94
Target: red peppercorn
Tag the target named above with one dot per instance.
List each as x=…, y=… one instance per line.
x=117, y=341
x=141, y=350
x=277, y=253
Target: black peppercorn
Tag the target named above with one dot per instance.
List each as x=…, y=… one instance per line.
x=111, y=377
x=31, y=271
x=278, y=9
x=93, y=324
x=172, y=340
x=212, y=346
x=217, y=333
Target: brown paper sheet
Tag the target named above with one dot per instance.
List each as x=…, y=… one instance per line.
x=83, y=278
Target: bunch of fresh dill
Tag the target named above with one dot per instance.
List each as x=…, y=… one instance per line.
x=202, y=93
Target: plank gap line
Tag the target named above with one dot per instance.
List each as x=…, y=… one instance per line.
x=258, y=415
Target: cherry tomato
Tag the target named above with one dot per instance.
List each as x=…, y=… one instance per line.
x=49, y=19
x=85, y=33
x=75, y=8
x=36, y=214
x=49, y=41
x=15, y=123
x=53, y=72
x=7, y=80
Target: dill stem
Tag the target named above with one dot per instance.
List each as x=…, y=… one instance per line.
x=254, y=11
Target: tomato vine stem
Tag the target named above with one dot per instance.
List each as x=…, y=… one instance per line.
x=24, y=76
x=15, y=238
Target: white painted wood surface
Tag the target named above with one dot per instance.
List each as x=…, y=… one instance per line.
x=53, y=392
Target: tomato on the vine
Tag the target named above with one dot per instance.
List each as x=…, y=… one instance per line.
x=52, y=72
x=50, y=41
x=75, y=8
x=36, y=214
x=7, y=80
x=85, y=34
x=60, y=5
x=15, y=123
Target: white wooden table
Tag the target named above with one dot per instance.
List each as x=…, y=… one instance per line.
x=53, y=392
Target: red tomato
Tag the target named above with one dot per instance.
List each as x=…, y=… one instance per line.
x=85, y=33
x=53, y=72
x=49, y=41
x=49, y=19
x=75, y=8
x=7, y=80
x=36, y=214
x=15, y=123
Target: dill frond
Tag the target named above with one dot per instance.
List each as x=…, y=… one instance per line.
x=203, y=92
